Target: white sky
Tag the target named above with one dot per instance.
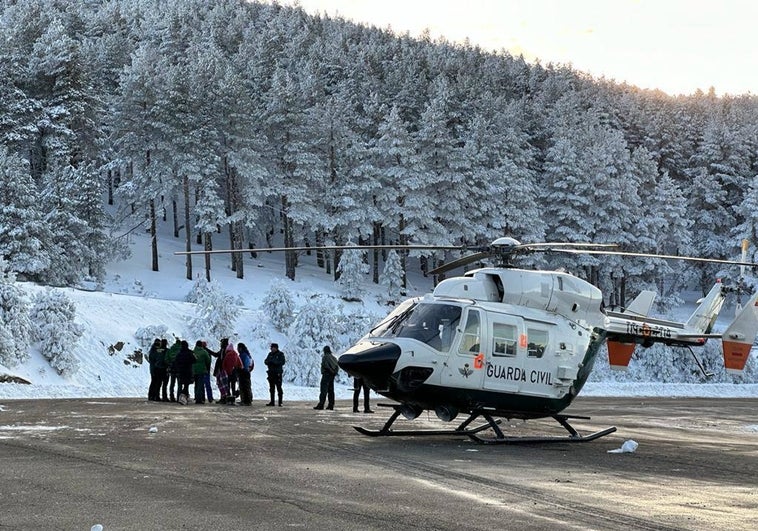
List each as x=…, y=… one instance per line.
x=675, y=45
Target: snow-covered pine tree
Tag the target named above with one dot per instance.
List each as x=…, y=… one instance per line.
x=352, y=270
x=278, y=305
x=53, y=315
x=22, y=231
x=394, y=166
x=314, y=327
x=197, y=291
x=216, y=313
x=15, y=326
x=392, y=277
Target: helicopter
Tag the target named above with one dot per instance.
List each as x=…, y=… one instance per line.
x=502, y=342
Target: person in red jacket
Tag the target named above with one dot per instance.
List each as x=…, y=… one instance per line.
x=230, y=365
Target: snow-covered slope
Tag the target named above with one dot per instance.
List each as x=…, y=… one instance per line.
x=110, y=354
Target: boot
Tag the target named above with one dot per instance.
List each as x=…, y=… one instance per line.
x=319, y=406
x=280, y=401
x=330, y=406
x=272, y=400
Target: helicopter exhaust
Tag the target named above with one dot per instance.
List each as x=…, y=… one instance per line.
x=446, y=413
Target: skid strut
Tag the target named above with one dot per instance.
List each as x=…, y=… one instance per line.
x=491, y=423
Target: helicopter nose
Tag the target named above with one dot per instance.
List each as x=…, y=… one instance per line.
x=374, y=364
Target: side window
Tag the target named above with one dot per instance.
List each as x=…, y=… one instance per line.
x=471, y=334
x=504, y=340
x=536, y=342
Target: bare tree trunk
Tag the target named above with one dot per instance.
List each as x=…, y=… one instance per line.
x=199, y=235
x=187, y=231
x=240, y=256
x=175, y=209
x=375, y=253
x=319, y=251
x=153, y=224
x=289, y=241
x=153, y=235
x=403, y=253
x=208, y=247
x=110, y=187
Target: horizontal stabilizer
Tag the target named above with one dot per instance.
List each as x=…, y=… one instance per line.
x=738, y=339
x=619, y=355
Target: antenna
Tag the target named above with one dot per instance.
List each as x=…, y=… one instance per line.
x=741, y=281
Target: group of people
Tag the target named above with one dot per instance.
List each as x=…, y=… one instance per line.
x=177, y=367
x=173, y=369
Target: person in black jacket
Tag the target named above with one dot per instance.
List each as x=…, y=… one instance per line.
x=275, y=363
x=183, y=366
x=153, y=392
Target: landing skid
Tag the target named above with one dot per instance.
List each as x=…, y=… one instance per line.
x=462, y=428
x=499, y=438
x=573, y=436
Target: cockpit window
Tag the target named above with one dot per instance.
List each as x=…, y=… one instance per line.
x=430, y=323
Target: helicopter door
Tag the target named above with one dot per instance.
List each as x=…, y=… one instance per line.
x=505, y=367
x=465, y=365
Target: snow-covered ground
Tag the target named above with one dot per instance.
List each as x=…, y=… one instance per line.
x=136, y=297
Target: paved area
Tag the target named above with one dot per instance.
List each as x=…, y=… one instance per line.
x=70, y=464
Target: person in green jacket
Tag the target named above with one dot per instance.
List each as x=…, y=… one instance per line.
x=201, y=370
x=171, y=370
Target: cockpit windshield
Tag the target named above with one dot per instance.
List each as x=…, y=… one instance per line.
x=430, y=323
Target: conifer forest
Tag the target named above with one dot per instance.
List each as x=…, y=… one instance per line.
x=254, y=125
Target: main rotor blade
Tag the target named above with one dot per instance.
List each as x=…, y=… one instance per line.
x=460, y=262
x=550, y=245
x=331, y=248
x=664, y=256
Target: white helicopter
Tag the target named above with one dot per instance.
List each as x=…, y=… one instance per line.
x=500, y=342
x=520, y=344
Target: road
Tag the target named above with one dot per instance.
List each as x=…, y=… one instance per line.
x=70, y=464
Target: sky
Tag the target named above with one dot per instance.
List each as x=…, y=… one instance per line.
x=136, y=297
x=677, y=46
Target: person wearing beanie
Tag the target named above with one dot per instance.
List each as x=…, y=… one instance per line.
x=275, y=372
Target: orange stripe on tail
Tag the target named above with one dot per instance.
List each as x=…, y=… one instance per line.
x=619, y=355
x=735, y=355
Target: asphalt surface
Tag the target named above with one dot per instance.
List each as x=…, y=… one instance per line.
x=71, y=464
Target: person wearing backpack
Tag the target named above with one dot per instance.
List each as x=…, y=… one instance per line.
x=171, y=374
x=243, y=375
x=329, y=370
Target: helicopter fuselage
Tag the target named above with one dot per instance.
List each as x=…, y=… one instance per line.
x=463, y=348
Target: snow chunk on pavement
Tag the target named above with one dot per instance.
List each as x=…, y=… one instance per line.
x=627, y=448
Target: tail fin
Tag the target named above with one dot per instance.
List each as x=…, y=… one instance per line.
x=705, y=314
x=620, y=354
x=738, y=338
x=641, y=304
